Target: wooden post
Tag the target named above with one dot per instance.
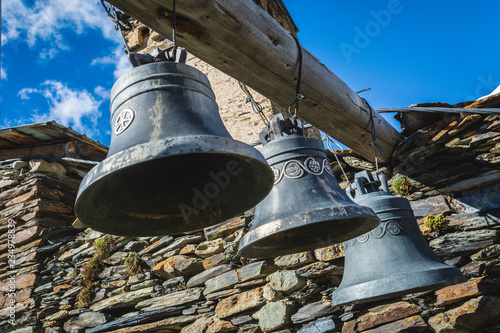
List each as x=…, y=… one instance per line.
x=241, y=39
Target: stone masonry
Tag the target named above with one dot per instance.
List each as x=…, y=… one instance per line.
x=198, y=283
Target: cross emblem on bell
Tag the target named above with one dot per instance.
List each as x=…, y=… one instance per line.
x=124, y=120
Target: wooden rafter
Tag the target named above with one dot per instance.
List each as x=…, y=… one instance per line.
x=241, y=39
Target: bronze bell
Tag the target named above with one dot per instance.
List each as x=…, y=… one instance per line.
x=306, y=208
x=393, y=259
x=172, y=166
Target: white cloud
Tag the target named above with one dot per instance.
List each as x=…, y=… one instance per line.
x=102, y=92
x=46, y=20
x=23, y=93
x=50, y=53
x=122, y=66
x=3, y=73
x=18, y=121
x=119, y=59
x=49, y=26
x=69, y=107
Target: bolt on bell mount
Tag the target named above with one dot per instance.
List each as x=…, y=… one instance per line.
x=172, y=167
x=306, y=208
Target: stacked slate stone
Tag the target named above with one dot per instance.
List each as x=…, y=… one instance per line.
x=457, y=153
x=453, y=155
x=191, y=283
x=197, y=282
x=449, y=172
x=36, y=207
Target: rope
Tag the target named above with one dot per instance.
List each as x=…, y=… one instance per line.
x=298, y=96
x=120, y=20
x=256, y=107
x=121, y=23
x=174, y=28
x=326, y=138
x=374, y=143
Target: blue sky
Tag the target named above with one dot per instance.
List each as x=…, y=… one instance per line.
x=60, y=58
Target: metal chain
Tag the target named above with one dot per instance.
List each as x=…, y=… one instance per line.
x=120, y=20
x=328, y=140
x=256, y=107
x=374, y=143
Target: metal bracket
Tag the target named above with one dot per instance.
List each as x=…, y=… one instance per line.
x=279, y=127
x=178, y=55
x=365, y=182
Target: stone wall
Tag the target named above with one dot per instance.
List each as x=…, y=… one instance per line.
x=36, y=213
x=197, y=282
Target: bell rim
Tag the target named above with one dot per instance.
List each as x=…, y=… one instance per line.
x=362, y=293
x=172, y=146
x=260, y=233
x=166, y=148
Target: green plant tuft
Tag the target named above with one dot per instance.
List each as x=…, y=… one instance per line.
x=436, y=222
x=401, y=185
x=85, y=295
x=133, y=263
x=103, y=247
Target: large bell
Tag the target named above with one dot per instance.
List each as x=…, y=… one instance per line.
x=306, y=208
x=172, y=167
x=393, y=259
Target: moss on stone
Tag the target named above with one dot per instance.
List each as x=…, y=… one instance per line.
x=436, y=222
x=401, y=186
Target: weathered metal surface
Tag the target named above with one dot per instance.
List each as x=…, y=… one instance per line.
x=306, y=208
x=172, y=166
x=393, y=259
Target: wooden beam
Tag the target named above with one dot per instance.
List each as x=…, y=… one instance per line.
x=18, y=138
x=439, y=109
x=70, y=149
x=242, y=40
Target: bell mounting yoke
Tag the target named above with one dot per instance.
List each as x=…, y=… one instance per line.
x=280, y=127
x=169, y=54
x=365, y=182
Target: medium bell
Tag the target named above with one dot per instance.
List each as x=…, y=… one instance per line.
x=172, y=167
x=393, y=259
x=306, y=208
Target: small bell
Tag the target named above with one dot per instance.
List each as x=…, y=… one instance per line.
x=172, y=167
x=393, y=259
x=306, y=208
